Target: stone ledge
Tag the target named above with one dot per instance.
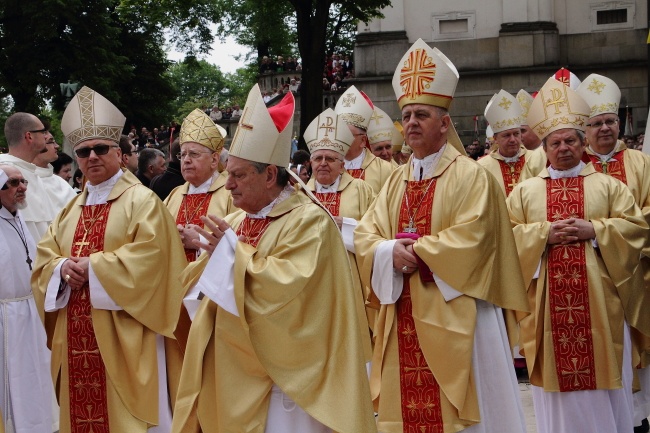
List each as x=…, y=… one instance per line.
x=528, y=27
x=374, y=37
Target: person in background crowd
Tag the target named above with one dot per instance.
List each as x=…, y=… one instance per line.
x=164, y=183
x=151, y=163
x=129, y=154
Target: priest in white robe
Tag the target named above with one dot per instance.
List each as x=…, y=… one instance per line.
x=58, y=190
x=25, y=384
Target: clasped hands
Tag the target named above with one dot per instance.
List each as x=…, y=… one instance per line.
x=74, y=271
x=404, y=258
x=569, y=231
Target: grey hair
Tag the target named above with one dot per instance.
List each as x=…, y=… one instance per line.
x=580, y=133
x=148, y=156
x=282, y=178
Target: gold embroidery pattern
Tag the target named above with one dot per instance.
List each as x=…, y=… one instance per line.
x=417, y=74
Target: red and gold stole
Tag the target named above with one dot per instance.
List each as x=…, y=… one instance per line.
x=615, y=167
x=87, y=374
x=568, y=291
x=357, y=173
x=193, y=207
x=511, y=173
x=421, y=412
x=331, y=201
x=253, y=229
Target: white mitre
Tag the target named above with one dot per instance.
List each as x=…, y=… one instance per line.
x=555, y=107
x=264, y=134
x=355, y=107
x=90, y=116
x=525, y=99
x=328, y=131
x=381, y=127
x=601, y=93
x=503, y=112
x=3, y=178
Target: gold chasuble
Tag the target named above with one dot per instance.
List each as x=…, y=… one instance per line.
x=352, y=200
x=374, y=171
x=573, y=340
x=297, y=328
x=633, y=169
x=510, y=174
x=424, y=343
x=136, y=254
x=189, y=208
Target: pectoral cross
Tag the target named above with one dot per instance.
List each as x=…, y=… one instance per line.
x=604, y=164
x=81, y=244
x=29, y=262
x=410, y=228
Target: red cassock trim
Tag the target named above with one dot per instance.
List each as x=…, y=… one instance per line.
x=511, y=173
x=193, y=207
x=357, y=173
x=331, y=201
x=253, y=229
x=614, y=167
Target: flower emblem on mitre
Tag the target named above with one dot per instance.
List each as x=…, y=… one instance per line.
x=601, y=93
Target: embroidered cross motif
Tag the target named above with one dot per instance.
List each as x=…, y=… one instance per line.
x=569, y=307
x=419, y=368
x=349, y=99
x=91, y=419
x=328, y=125
x=505, y=103
x=376, y=116
x=417, y=73
x=575, y=372
x=557, y=99
x=85, y=352
x=596, y=86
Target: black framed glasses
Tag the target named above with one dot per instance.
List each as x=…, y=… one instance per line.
x=14, y=182
x=100, y=149
x=42, y=131
x=599, y=124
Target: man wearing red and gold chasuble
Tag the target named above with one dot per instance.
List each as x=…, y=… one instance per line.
x=437, y=250
x=106, y=283
x=276, y=344
x=579, y=236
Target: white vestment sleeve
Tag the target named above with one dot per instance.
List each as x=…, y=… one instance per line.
x=191, y=301
x=347, y=232
x=218, y=279
x=386, y=283
x=539, y=268
x=53, y=299
x=447, y=291
x=98, y=296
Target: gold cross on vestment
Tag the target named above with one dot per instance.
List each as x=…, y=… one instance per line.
x=419, y=368
x=328, y=125
x=90, y=419
x=557, y=99
x=569, y=308
x=81, y=244
x=575, y=372
x=85, y=352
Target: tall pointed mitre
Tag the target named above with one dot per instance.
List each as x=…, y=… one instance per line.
x=90, y=116
x=199, y=128
x=555, y=107
x=503, y=112
x=355, y=107
x=426, y=76
x=381, y=127
x=264, y=134
x=601, y=93
x=328, y=131
x=567, y=77
x=525, y=99
x=398, y=137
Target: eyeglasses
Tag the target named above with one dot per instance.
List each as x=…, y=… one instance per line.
x=190, y=155
x=328, y=159
x=599, y=124
x=42, y=131
x=100, y=149
x=14, y=182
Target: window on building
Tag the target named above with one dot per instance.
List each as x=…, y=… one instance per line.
x=454, y=25
x=612, y=16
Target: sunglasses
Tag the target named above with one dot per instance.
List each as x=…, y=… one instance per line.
x=100, y=149
x=14, y=182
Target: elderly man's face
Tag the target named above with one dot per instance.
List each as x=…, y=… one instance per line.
x=383, y=150
x=249, y=189
x=198, y=163
x=326, y=165
x=98, y=168
x=13, y=197
x=602, y=132
x=564, y=148
x=508, y=141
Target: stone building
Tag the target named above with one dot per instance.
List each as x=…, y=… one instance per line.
x=510, y=44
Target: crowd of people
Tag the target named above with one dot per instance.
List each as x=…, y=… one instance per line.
x=384, y=280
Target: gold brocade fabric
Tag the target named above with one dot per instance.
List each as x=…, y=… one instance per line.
x=613, y=274
x=536, y=163
x=376, y=171
x=532, y=164
x=356, y=197
x=469, y=230
x=139, y=268
x=298, y=328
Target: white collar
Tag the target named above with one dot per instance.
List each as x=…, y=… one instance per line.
x=424, y=168
x=604, y=158
x=284, y=194
x=204, y=187
x=510, y=159
x=109, y=183
x=572, y=172
x=356, y=162
x=328, y=188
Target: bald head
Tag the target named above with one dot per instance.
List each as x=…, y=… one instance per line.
x=26, y=136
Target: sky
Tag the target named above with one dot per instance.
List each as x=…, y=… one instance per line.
x=221, y=54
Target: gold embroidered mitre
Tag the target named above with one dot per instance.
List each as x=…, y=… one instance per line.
x=90, y=116
x=525, y=99
x=425, y=76
x=355, y=107
x=381, y=127
x=264, y=134
x=503, y=112
x=198, y=128
x=601, y=93
x=328, y=131
x=557, y=106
